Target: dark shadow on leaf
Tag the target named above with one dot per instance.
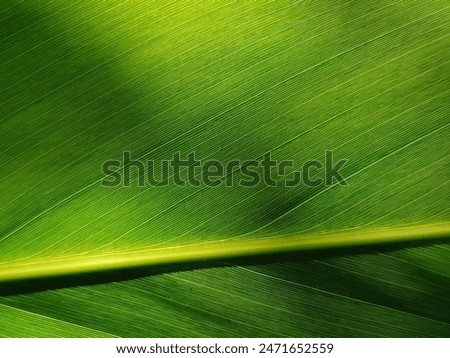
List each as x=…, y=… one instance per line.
x=64, y=95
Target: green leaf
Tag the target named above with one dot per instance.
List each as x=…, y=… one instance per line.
x=85, y=81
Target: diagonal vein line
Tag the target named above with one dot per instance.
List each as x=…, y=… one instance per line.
x=340, y=295
x=411, y=202
x=403, y=147
x=90, y=18
x=196, y=193
x=254, y=302
x=203, y=189
x=102, y=64
x=310, y=229
x=137, y=17
x=378, y=191
x=30, y=24
x=133, y=312
x=196, y=308
x=7, y=8
x=383, y=280
x=55, y=319
x=131, y=104
x=224, y=112
x=178, y=80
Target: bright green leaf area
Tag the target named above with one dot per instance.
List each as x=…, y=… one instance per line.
x=82, y=81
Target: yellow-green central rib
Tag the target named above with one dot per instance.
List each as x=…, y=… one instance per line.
x=219, y=250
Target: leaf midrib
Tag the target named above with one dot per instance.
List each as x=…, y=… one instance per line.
x=219, y=249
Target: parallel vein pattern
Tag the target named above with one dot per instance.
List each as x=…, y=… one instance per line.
x=84, y=81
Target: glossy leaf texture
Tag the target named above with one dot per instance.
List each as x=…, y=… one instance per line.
x=84, y=81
